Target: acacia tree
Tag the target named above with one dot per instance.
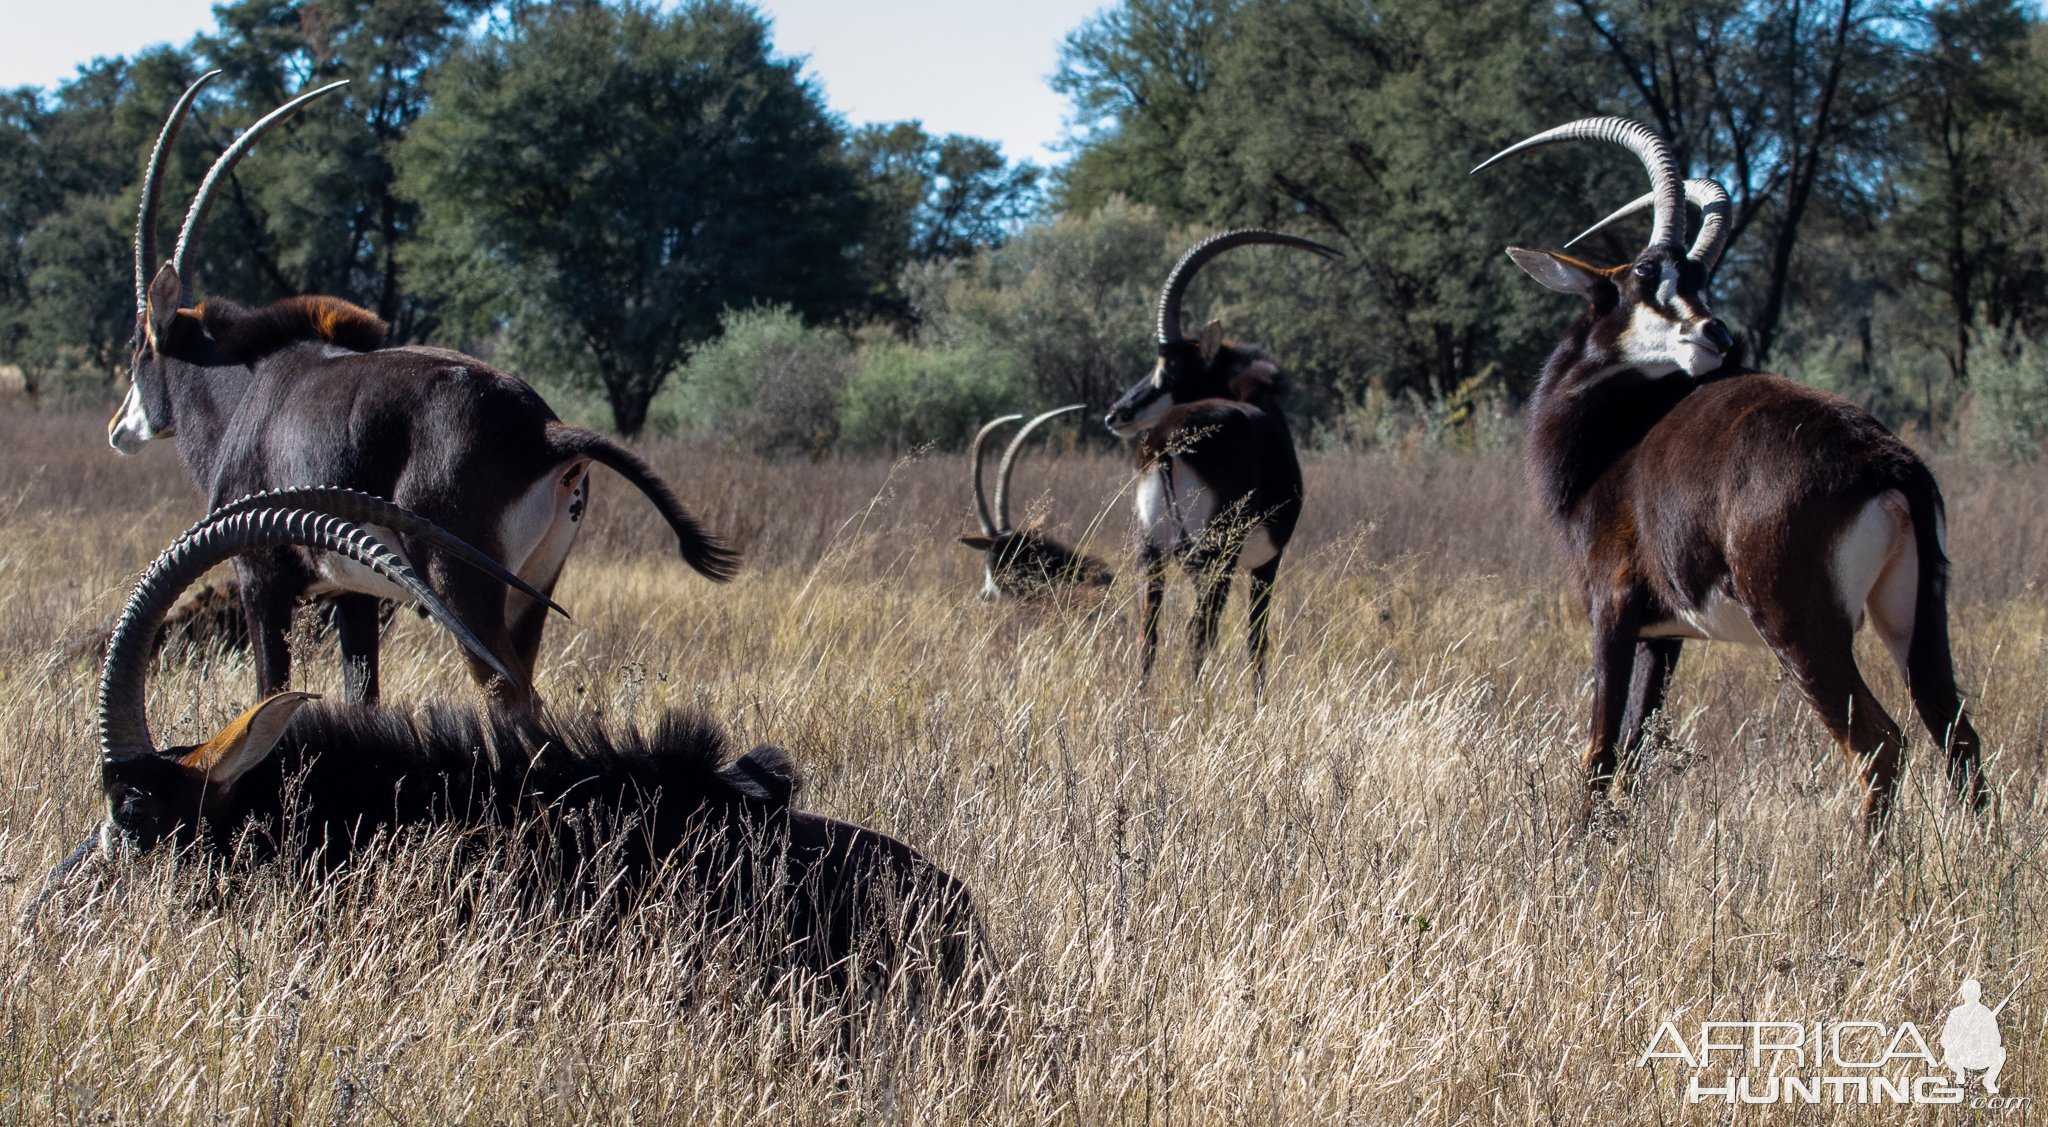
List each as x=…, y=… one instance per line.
x=600, y=183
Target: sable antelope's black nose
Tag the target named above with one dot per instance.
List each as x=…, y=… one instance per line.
x=1717, y=334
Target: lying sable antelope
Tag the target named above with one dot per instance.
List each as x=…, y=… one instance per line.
x=1219, y=487
x=1022, y=563
x=321, y=783
x=302, y=392
x=1696, y=498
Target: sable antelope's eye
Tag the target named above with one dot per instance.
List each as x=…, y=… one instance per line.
x=1646, y=270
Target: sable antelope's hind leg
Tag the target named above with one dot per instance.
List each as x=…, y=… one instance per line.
x=1151, y=592
x=1655, y=661
x=1929, y=670
x=355, y=624
x=479, y=601
x=1259, y=593
x=1816, y=648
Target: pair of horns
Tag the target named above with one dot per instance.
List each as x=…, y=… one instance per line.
x=1668, y=194
x=999, y=523
x=195, y=215
x=1199, y=256
x=324, y=519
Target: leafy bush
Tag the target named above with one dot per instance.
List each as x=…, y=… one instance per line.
x=767, y=382
x=2009, y=407
x=904, y=396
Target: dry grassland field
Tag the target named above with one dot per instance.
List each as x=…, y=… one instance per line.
x=1366, y=900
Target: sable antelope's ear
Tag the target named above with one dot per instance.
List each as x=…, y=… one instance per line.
x=164, y=292
x=1565, y=275
x=247, y=740
x=979, y=543
x=1211, y=340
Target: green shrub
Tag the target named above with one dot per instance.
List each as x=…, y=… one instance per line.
x=2008, y=415
x=766, y=381
x=904, y=396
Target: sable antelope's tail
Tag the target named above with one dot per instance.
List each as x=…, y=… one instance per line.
x=710, y=556
x=1930, y=667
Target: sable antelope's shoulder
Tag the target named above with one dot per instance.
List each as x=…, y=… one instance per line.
x=249, y=335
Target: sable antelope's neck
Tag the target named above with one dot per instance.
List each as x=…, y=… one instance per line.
x=1585, y=419
x=204, y=402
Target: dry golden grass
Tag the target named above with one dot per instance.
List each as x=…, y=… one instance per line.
x=1363, y=901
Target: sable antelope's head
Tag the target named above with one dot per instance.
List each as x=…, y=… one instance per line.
x=1188, y=369
x=1025, y=562
x=166, y=330
x=1650, y=315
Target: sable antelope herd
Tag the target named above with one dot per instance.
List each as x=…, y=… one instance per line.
x=1693, y=498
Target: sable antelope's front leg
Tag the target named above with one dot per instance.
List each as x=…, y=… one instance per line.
x=1151, y=592
x=355, y=623
x=1614, y=660
x=1212, y=592
x=1655, y=660
x=1259, y=593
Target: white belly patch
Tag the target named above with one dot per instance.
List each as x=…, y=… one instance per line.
x=1718, y=619
x=333, y=574
x=1170, y=518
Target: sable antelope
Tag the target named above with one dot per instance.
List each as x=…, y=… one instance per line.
x=610, y=813
x=1022, y=563
x=1219, y=487
x=301, y=392
x=1696, y=498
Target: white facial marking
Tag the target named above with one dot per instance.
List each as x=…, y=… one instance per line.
x=129, y=428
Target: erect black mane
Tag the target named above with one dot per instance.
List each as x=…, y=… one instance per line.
x=248, y=335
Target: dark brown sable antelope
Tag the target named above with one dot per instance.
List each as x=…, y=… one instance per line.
x=301, y=392
x=608, y=816
x=1696, y=498
x=1023, y=562
x=1219, y=487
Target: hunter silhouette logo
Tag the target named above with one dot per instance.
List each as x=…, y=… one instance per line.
x=1841, y=1061
x=1969, y=1039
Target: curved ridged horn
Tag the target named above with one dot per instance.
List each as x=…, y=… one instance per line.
x=1715, y=208
x=1667, y=197
x=124, y=723
x=1199, y=255
x=152, y=182
x=203, y=199
x=980, y=454
x=1009, y=461
x=365, y=508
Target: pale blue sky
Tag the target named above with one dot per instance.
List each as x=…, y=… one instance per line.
x=960, y=66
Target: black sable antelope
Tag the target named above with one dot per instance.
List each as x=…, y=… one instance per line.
x=1219, y=487
x=301, y=392
x=1698, y=499
x=611, y=812
x=1022, y=563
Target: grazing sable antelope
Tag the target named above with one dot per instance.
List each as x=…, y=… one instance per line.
x=301, y=392
x=1219, y=487
x=1696, y=498
x=611, y=813
x=1023, y=563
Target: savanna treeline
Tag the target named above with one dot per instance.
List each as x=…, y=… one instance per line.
x=657, y=218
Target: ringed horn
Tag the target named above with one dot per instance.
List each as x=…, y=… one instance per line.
x=1006, y=466
x=1667, y=197
x=1199, y=255
x=124, y=723
x=1707, y=195
x=152, y=183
